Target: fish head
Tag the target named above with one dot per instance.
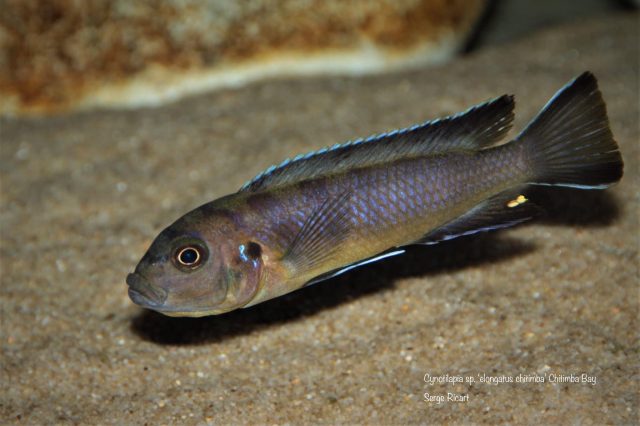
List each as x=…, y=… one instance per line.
x=200, y=265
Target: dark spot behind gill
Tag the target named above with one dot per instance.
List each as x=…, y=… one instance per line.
x=254, y=250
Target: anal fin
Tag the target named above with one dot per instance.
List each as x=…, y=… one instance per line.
x=501, y=211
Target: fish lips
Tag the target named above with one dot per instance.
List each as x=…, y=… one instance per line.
x=142, y=293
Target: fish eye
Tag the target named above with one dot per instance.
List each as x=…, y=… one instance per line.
x=189, y=257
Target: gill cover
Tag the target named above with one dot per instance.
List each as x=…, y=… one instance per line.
x=243, y=276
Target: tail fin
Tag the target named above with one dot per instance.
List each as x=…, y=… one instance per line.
x=569, y=143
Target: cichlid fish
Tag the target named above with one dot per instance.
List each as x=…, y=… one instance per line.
x=326, y=212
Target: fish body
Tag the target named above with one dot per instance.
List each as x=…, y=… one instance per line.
x=326, y=212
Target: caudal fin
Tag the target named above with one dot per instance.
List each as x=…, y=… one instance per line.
x=570, y=143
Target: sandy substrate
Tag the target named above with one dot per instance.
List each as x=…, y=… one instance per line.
x=83, y=196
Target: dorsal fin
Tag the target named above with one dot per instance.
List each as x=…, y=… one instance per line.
x=477, y=128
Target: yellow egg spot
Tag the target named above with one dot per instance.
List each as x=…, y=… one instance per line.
x=521, y=199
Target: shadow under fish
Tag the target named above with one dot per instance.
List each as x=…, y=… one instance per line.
x=327, y=212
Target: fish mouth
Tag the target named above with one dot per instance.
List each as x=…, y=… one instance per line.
x=142, y=293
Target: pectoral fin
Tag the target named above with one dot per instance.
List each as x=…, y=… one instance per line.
x=321, y=236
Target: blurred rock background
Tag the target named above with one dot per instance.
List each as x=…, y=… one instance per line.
x=64, y=54
x=61, y=55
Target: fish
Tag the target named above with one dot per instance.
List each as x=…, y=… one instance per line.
x=321, y=214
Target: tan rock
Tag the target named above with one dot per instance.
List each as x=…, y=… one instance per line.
x=63, y=55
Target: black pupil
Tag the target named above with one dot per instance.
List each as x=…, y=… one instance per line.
x=188, y=256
